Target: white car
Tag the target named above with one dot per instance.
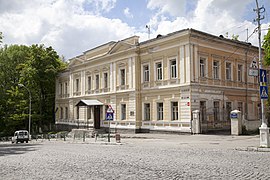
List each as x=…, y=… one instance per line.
x=20, y=136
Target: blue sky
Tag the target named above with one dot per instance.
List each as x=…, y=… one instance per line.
x=74, y=26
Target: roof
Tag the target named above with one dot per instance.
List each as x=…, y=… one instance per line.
x=89, y=102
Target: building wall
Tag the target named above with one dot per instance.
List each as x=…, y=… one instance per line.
x=174, y=75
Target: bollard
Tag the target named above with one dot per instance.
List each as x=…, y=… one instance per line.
x=117, y=137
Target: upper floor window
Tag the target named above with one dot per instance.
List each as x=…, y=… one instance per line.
x=97, y=81
x=122, y=76
x=66, y=88
x=173, y=68
x=105, y=80
x=240, y=72
x=216, y=69
x=146, y=73
x=123, y=111
x=77, y=85
x=159, y=111
x=159, y=71
x=61, y=89
x=202, y=67
x=89, y=83
x=228, y=71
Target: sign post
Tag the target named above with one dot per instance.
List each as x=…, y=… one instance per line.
x=109, y=117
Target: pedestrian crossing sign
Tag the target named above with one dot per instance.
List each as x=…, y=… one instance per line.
x=264, y=92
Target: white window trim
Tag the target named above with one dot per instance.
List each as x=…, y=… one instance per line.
x=142, y=72
x=219, y=71
x=155, y=70
x=96, y=81
x=170, y=68
x=120, y=76
x=103, y=82
x=122, y=112
x=231, y=73
x=205, y=66
x=143, y=111
x=242, y=74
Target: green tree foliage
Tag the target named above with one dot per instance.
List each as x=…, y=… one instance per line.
x=36, y=67
x=266, y=46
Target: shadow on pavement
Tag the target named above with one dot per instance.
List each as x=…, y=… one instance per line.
x=15, y=149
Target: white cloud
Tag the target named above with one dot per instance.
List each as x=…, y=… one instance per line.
x=212, y=16
x=64, y=25
x=127, y=13
x=101, y=5
x=172, y=7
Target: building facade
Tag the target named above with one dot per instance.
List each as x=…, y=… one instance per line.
x=157, y=84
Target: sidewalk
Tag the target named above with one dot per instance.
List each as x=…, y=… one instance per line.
x=241, y=143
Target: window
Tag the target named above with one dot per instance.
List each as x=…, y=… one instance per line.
x=78, y=112
x=216, y=70
x=97, y=81
x=202, y=67
x=123, y=76
x=228, y=71
x=88, y=112
x=174, y=110
x=240, y=72
x=240, y=106
x=173, y=69
x=105, y=80
x=77, y=85
x=159, y=71
x=159, y=111
x=61, y=113
x=66, y=110
x=61, y=89
x=216, y=110
x=146, y=73
x=66, y=88
x=228, y=110
x=147, y=111
x=89, y=82
x=123, y=111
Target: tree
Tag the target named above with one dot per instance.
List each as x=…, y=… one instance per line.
x=266, y=47
x=36, y=67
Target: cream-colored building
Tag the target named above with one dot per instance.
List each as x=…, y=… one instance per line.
x=156, y=84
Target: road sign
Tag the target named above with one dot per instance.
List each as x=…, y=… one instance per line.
x=263, y=76
x=109, y=116
x=253, y=68
x=264, y=92
x=233, y=115
x=110, y=109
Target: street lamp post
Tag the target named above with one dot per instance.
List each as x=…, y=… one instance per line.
x=29, y=122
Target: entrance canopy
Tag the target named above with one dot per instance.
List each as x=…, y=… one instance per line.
x=89, y=103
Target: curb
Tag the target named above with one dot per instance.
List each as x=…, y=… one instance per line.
x=254, y=149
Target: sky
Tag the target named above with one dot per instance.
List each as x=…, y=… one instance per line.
x=72, y=27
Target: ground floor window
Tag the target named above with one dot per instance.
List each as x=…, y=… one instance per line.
x=123, y=111
x=159, y=111
x=147, y=111
x=216, y=110
x=203, y=111
x=66, y=111
x=174, y=110
x=228, y=110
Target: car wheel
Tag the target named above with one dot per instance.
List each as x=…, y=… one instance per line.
x=26, y=141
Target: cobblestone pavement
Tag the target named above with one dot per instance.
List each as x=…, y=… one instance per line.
x=147, y=157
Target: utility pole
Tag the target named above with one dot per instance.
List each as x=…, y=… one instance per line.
x=148, y=27
x=264, y=130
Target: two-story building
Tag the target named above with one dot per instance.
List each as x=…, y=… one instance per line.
x=157, y=84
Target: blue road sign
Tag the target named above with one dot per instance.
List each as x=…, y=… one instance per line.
x=233, y=115
x=264, y=92
x=109, y=116
x=263, y=76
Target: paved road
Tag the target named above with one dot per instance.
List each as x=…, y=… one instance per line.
x=147, y=157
